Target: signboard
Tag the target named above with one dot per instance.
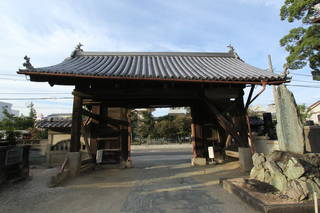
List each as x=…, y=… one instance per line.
x=99, y=156
x=211, y=152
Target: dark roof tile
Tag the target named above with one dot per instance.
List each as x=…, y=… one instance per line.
x=161, y=65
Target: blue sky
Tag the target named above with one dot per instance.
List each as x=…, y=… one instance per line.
x=47, y=31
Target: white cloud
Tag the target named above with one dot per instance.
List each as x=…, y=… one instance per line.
x=274, y=3
x=47, y=31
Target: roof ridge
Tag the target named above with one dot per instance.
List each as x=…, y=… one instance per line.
x=314, y=104
x=198, y=54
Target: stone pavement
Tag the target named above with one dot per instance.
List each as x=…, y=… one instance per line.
x=162, y=181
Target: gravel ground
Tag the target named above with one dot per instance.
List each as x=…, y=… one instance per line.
x=162, y=181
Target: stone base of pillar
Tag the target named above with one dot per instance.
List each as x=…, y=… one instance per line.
x=126, y=164
x=198, y=161
x=74, y=163
x=245, y=159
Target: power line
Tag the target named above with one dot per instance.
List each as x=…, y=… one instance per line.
x=307, y=81
x=298, y=85
x=33, y=93
x=7, y=74
x=293, y=73
x=26, y=99
x=11, y=79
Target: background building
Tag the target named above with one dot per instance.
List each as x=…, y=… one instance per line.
x=315, y=112
x=9, y=107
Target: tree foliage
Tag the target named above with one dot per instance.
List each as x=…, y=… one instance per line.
x=303, y=42
x=10, y=122
x=304, y=112
x=146, y=127
x=175, y=128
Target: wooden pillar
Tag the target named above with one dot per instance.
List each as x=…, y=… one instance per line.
x=76, y=124
x=129, y=134
x=124, y=137
x=240, y=122
x=93, y=131
x=193, y=138
x=197, y=133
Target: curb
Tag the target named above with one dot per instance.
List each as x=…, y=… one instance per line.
x=259, y=205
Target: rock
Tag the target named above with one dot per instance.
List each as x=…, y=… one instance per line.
x=279, y=181
x=317, y=180
x=267, y=177
x=295, y=175
x=282, y=165
x=297, y=190
x=289, y=126
x=304, y=179
x=294, y=169
x=312, y=187
x=258, y=159
x=272, y=167
x=313, y=159
x=275, y=156
x=257, y=173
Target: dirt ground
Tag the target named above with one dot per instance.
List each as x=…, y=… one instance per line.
x=162, y=180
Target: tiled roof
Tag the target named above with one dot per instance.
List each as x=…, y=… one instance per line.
x=180, y=66
x=314, y=105
x=54, y=123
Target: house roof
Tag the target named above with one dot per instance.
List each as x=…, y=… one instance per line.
x=170, y=66
x=54, y=123
x=314, y=105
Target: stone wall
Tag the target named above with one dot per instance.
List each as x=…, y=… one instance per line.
x=294, y=175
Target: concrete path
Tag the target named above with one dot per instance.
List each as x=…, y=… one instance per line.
x=162, y=181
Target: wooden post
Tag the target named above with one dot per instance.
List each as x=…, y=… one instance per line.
x=50, y=142
x=240, y=121
x=124, y=137
x=193, y=138
x=76, y=124
x=93, y=131
x=129, y=134
x=197, y=133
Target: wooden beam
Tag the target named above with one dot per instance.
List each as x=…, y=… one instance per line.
x=111, y=121
x=224, y=122
x=139, y=93
x=76, y=124
x=249, y=97
x=229, y=108
x=93, y=130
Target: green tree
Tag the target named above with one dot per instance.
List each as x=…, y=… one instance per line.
x=166, y=129
x=183, y=126
x=32, y=113
x=10, y=123
x=171, y=127
x=134, y=123
x=303, y=42
x=304, y=112
x=146, y=125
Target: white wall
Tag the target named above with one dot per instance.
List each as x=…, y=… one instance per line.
x=315, y=112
